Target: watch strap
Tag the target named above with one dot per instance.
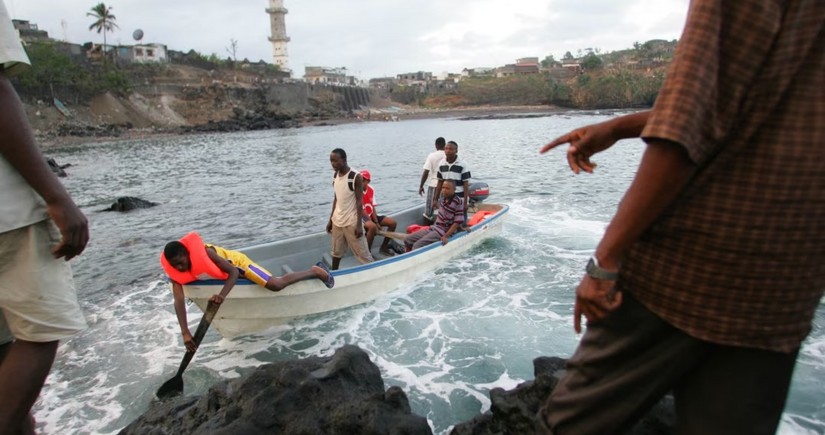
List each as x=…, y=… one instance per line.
x=594, y=271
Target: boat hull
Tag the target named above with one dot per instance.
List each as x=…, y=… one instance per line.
x=250, y=308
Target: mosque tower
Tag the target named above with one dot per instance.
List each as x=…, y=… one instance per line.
x=277, y=11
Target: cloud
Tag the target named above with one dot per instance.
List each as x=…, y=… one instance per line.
x=374, y=38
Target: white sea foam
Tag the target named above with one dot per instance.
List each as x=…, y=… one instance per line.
x=793, y=425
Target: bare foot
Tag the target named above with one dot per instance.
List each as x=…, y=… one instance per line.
x=320, y=273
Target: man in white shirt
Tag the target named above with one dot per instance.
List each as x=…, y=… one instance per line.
x=39, y=225
x=345, y=224
x=429, y=177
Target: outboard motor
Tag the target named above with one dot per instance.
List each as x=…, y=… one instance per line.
x=479, y=191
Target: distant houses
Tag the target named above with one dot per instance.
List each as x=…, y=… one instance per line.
x=644, y=55
x=124, y=54
x=323, y=75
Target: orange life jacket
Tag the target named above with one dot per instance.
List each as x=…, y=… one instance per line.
x=479, y=216
x=202, y=267
x=414, y=228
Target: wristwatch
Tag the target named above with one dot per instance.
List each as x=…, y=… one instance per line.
x=596, y=272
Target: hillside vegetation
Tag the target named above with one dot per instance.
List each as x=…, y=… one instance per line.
x=209, y=93
x=622, y=79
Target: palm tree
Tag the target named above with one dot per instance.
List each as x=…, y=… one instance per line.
x=104, y=22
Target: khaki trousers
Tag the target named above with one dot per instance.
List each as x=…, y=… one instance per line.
x=345, y=236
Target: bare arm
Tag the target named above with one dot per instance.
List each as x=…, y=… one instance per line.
x=663, y=173
x=329, y=223
x=180, y=311
x=225, y=266
x=19, y=149
x=450, y=231
x=589, y=140
x=437, y=192
x=359, y=204
x=466, y=184
x=424, y=176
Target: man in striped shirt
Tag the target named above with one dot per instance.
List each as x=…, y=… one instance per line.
x=453, y=168
x=449, y=220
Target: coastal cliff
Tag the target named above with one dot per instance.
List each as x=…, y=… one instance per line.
x=183, y=99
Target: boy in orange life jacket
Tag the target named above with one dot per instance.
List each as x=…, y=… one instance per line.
x=191, y=259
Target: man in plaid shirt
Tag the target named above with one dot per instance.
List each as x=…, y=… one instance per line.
x=709, y=275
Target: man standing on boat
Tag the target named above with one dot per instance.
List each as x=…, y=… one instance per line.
x=430, y=177
x=453, y=168
x=345, y=223
x=708, y=277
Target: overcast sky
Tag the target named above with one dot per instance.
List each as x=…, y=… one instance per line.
x=374, y=38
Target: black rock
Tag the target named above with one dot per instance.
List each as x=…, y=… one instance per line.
x=515, y=411
x=341, y=394
x=57, y=169
x=126, y=203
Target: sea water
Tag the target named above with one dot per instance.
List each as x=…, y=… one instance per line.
x=447, y=338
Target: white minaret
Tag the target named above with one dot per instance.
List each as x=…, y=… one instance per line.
x=277, y=11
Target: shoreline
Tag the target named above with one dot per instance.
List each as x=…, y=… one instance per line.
x=49, y=141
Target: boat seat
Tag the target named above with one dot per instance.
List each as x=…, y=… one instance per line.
x=286, y=269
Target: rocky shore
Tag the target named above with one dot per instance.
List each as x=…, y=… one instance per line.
x=61, y=134
x=345, y=394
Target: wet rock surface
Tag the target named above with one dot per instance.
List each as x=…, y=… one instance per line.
x=344, y=394
x=341, y=394
x=515, y=411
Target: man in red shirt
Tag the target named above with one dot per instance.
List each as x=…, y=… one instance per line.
x=372, y=220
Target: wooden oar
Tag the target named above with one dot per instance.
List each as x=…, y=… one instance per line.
x=174, y=386
x=392, y=235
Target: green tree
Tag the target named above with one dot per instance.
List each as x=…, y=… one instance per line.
x=549, y=61
x=591, y=61
x=51, y=69
x=568, y=56
x=104, y=21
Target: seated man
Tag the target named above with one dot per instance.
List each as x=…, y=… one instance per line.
x=191, y=259
x=449, y=219
x=372, y=221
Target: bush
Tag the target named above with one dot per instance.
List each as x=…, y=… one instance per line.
x=54, y=74
x=617, y=89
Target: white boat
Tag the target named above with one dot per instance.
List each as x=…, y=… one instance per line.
x=250, y=308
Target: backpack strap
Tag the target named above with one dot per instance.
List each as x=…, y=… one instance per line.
x=351, y=180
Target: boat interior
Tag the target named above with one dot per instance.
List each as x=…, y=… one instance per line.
x=300, y=253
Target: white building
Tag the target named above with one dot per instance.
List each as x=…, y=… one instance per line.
x=278, y=38
x=146, y=53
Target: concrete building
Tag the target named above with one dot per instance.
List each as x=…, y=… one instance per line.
x=29, y=32
x=481, y=71
x=415, y=78
x=142, y=53
x=323, y=75
x=278, y=38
